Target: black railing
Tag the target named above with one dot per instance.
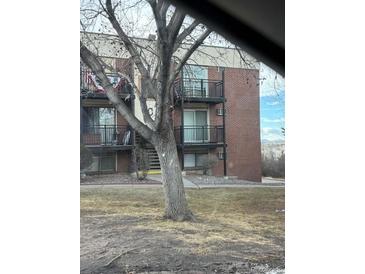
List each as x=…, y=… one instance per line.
x=106, y=135
x=198, y=88
x=90, y=84
x=199, y=134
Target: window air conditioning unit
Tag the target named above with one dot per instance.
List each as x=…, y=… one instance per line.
x=220, y=111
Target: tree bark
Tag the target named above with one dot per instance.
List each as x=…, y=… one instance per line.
x=176, y=206
x=159, y=131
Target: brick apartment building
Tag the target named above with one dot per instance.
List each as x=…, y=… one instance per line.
x=228, y=140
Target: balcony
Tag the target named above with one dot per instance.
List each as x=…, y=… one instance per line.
x=195, y=136
x=199, y=90
x=107, y=136
x=90, y=85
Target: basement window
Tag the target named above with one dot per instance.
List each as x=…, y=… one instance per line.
x=195, y=160
x=102, y=163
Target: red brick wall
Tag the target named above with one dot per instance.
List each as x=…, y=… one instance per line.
x=218, y=169
x=123, y=161
x=243, y=124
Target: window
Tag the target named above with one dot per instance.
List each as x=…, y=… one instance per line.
x=107, y=162
x=192, y=160
x=93, y=116
x=189, y=160
x=103, y=163
x=201, y=159
x=196, y=126
x=195, y=81
x=100, y=123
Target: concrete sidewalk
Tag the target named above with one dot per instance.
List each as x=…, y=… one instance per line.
x=186, y=182
x=190, y=184
x=269, y=180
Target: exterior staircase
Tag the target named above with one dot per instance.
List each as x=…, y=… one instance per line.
x=153, y=161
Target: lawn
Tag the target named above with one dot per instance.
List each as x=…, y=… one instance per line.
x=236, y=229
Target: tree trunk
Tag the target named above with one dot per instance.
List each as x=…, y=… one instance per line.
x=176, y=206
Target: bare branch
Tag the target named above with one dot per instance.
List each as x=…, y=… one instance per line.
x=243, y=59
x=184, y=34
x=187, y=55
x=164, y=7
x=127, y=42
x=175, y=25
x=135, y=57
x=91, y=61
x=160, y=20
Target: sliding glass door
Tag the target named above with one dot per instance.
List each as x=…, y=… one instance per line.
x=195, y=126
x=107, y=122
x=100, y=122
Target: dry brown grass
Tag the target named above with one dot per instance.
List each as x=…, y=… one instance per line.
x=224, y=215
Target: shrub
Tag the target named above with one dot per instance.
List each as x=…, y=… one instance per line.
x=86, y=157
x=273, y=167
x=209, y=162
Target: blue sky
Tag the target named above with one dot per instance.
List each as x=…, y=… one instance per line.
x=272, y=105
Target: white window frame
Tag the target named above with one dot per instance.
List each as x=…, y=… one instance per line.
x=208, y=124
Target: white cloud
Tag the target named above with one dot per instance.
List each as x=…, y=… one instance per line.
x=272, y=120
x=273, y=103
x=272, y=134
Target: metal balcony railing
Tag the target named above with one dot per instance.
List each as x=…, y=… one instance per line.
x=198, y=88
x=90, y=84
x=107, y=135
x=199, y=134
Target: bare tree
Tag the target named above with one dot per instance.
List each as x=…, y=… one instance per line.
x=157, y=82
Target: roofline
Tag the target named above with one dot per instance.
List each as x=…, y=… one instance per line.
x=146, y=39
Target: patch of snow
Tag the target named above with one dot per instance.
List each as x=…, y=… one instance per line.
x=276, y=271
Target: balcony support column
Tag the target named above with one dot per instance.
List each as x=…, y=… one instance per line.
x=105, y=136
x=224, y=129
x=201, y=88
x=133, y=97
x=81, y=121
x=182, y=137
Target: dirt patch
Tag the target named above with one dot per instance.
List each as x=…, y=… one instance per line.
x=122, y=232
x=115, y=179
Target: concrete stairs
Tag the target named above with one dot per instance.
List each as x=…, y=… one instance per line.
x=154, y=163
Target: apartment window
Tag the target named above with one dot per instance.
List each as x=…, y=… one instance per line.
x=98, y=125
x=94, y=116
x=195, y=81
x=196, y=126
x=103, y=163
x=195, y=160
x=107, y=162
x=189, y=160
